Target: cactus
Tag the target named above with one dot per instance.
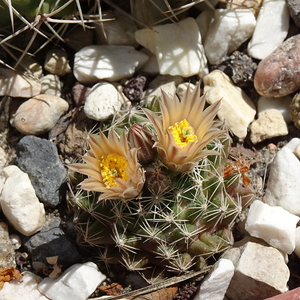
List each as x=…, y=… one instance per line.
x=188, y=205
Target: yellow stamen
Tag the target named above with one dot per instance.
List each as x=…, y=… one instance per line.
x=113, y=166
x=183, y=133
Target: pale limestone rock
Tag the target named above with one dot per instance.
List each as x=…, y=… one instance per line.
x=271, y=28
x=268, y=125
x=297, y=151
x=151, y=66
x=56, y=62
x=204, y=21
x=77, y=283
x=229, y=29
x=215, y=284
x=178, y=48
x=237, y=109
x=109, y=62
x=102, y=102
x=25, y=290
x=39, y=114
x=260, y=270
x=19, y=202
x=29, y=66
x=262, y=222
x=118, y=31
x=282, y=104
x=15, y=85
x=283, y=187
x=51, y=85
x=182, y=88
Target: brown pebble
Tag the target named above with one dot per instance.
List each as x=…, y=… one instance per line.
x=272, y=146
x=278, y=74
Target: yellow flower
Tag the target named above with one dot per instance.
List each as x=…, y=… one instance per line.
x=112, y=168
x=184, y=129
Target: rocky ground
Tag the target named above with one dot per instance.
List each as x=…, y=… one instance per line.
x=44, y=124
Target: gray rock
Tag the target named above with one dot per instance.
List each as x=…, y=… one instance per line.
x=294, y=9
x=7, y=253
x=39, y=159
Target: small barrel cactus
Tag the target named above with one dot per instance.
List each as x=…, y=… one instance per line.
x=164, y=197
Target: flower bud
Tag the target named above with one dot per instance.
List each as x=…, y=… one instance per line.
x=139, y=136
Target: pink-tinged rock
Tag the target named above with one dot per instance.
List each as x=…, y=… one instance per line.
x=278, y=74
x=291, y=295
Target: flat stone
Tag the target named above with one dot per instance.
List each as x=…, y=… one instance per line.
x=268, y=125
x=176, y=46
x=271, y=28
x=14, y=85
x=262, y=222
x=283, y=183
x=278, y=74
x=260, y=271
x=38, y=115
x=107, y=62
x=229, y=29
x=237, y=109
x=19, y=202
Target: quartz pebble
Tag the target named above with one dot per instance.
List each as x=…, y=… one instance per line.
x=107, y=62
x=283, y=183
x=278, y=74
x=237, y=109
x=14, y=85
x=281, y=104
x=215, y=284
x=56, y=62
x=19, y=202
x=260, y=270
x=229, y=29
x=102, y=101
x=39, y=114
x=262, y=222
x=178, y=48
x=271, y=28
x=295, y=110
x=268, y=125
x=27, y=289
x=76, y=283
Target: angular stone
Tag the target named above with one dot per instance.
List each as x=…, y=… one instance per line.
x=15, y=85
x=260, y=271
x=271, y=28
x=237, y=109
x=38, y=115
x=283, y=187
x=229, y=29
x=262, y=222
x=19, y=202
x=268, y=125
x=278, y=74
x=178, y=48
x=108, y=62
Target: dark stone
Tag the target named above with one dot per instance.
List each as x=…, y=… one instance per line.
x=133, y=89
x=52, y=241
x=39, y=159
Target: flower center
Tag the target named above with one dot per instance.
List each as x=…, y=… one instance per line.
x=183, y=133
x=113, y=166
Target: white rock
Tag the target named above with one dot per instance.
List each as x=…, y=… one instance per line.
x=182, y=87
x=283, y=187
x=215, y=284
x=262, y=222
x=297, y=248
x=15, y=85
x=77, y=283
x=51, y=85
x=229, y=29
x=151, y=66
x=282, y=104
x=177, y=46
x=109, y=62
x=25, y=290
x=19, y=202
x=204, y=21
x=118, y=31
x=297, y=151
x=271, y=28
x=15, y=241
x=29, y=66
x=56, y=62
x=268, y=125
x=260, y=270
x=102, y=102
x=237, y=109
x=39, y=114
